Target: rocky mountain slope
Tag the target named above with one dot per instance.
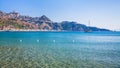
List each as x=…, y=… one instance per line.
x=14, y=20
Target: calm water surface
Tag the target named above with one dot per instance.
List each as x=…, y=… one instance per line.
x=59, y=50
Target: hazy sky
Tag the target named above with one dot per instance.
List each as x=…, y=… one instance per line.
x=101, y=13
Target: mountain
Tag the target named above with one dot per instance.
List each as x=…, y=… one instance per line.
x=44, y=19
x=14, y=20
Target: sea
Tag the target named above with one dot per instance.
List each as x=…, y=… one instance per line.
x=59, y=49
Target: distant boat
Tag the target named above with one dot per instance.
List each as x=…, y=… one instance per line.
x=88, y=30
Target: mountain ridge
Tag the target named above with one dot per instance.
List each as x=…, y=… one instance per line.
x=14, y=20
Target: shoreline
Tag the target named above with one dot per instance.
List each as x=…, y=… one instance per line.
x=37, y=30
x=29, y=30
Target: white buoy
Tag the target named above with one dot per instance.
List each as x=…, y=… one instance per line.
x=73, y=41
x=20, y=40
x=54, y=41
x=37, y=40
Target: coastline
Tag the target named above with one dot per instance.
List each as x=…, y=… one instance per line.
x=37, y=30
x=31, y=30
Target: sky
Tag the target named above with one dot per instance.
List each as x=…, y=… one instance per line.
x=101, y=13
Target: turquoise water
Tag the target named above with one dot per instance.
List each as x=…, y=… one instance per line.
x=59, y=50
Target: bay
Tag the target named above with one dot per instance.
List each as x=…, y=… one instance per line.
x=60, y=49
